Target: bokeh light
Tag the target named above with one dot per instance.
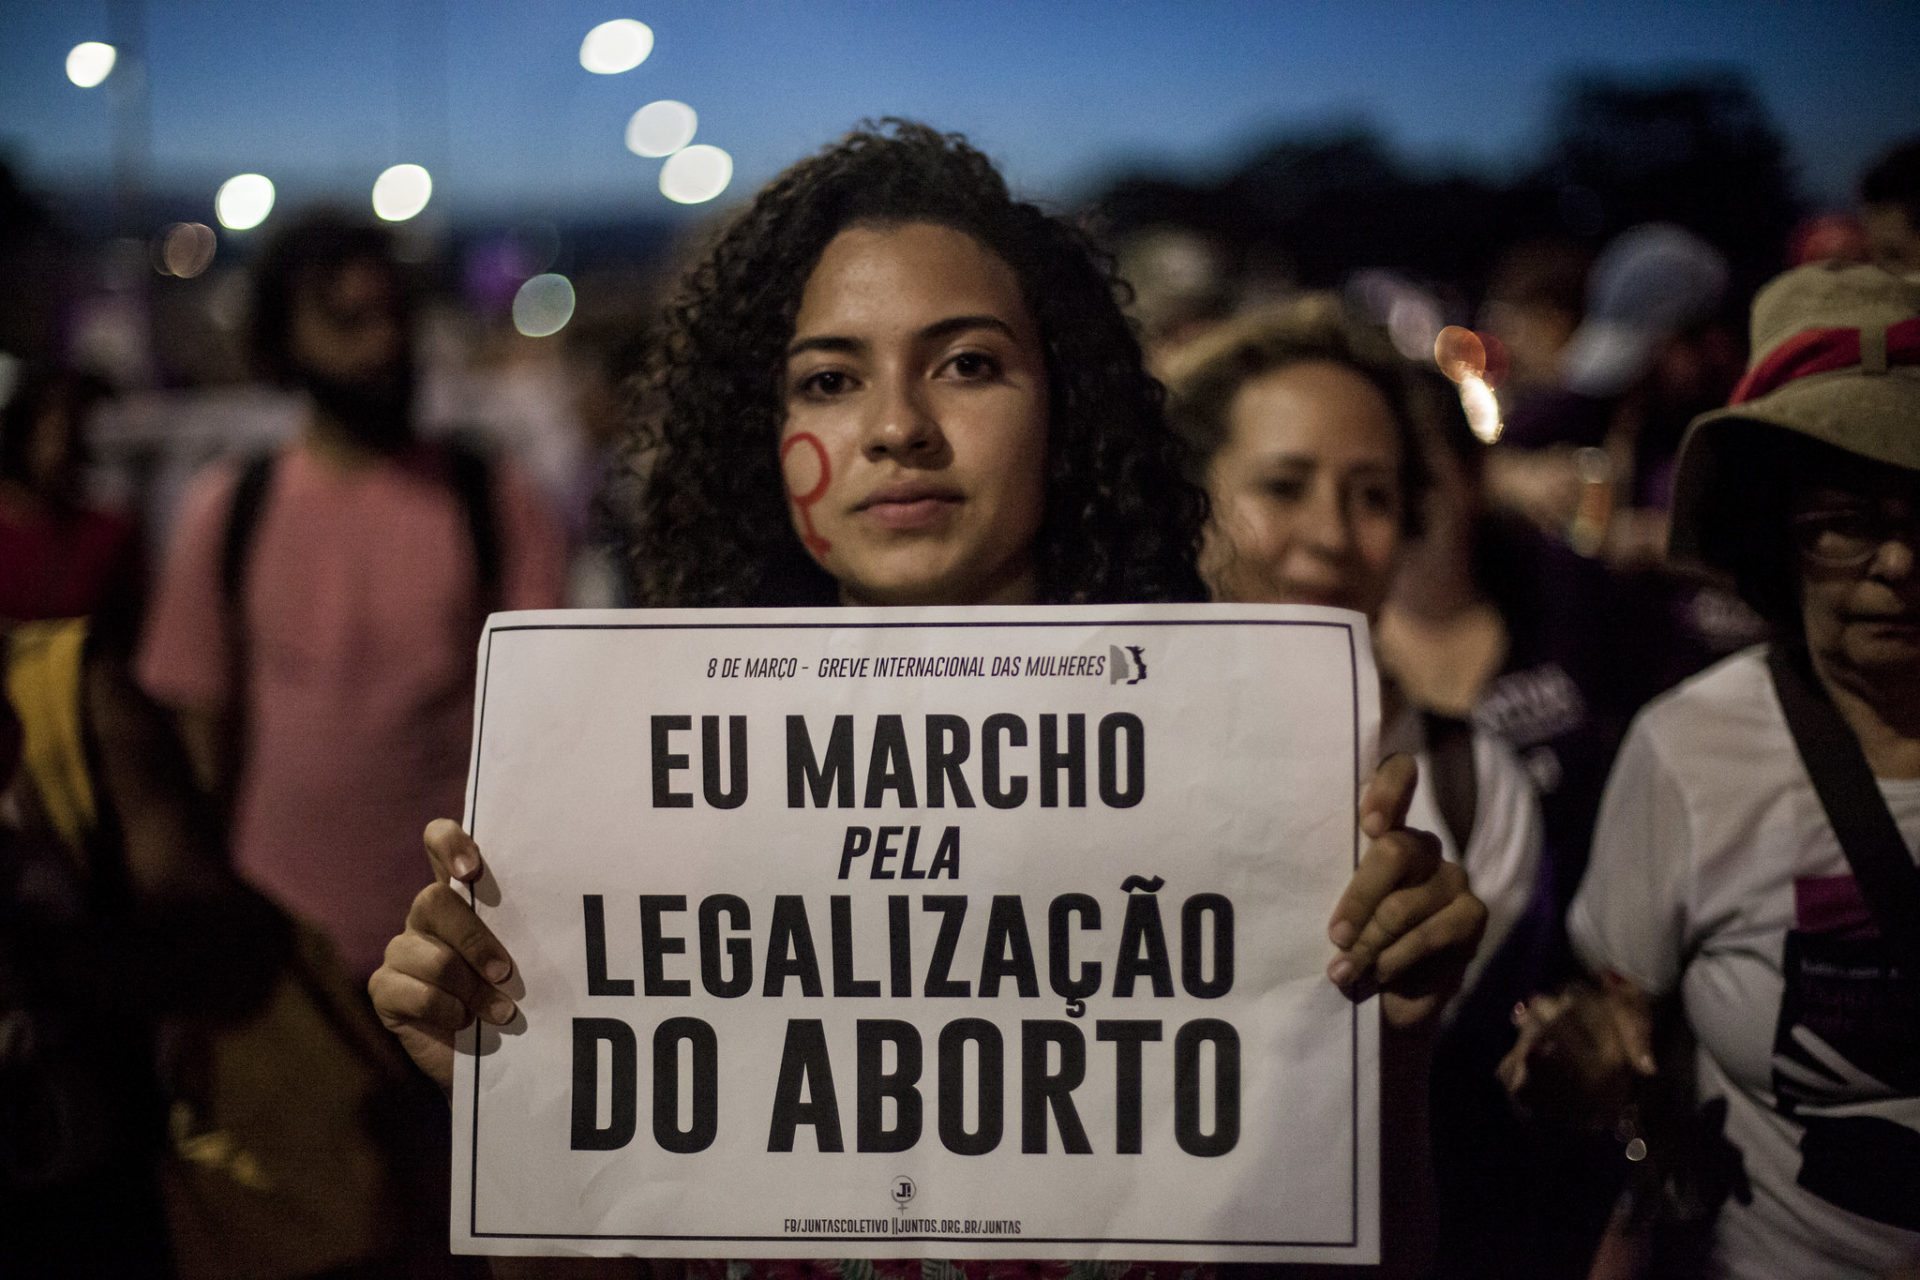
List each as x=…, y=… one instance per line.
x=661, y=128
x=244, y=201
x=1476, y=362
x=695, y=174
x=1460, y=353
x=1499, y=364
x=543, y=306
x=90, y=63
x=185, y=249
x=1482, y=408
x=613, y=47
x=1413, y=322
x=402, y=192
x=1464, y=353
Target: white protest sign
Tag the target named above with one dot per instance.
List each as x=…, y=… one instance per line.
x=964, y=933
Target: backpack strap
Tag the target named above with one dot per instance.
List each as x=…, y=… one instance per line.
x=243, y=520
x=1456, y=789
x=470, y=475
x=1882, y=864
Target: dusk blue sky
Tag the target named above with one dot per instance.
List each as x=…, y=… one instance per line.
x=490, y=95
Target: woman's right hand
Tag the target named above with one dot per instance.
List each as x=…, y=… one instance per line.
x=446, y=968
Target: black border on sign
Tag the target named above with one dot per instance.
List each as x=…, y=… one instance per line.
x=473, y=808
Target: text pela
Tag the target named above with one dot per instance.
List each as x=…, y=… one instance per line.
x=1004, y=761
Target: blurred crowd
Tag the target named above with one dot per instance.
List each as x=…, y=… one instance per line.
x=217, y=779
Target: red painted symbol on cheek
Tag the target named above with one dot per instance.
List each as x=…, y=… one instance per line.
x=818, y=545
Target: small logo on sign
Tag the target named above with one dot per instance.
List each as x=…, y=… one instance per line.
x=1128, y=664
x=902, y=1190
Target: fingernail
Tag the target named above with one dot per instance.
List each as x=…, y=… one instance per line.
x=1343, y=934
x=1646, y=1064
x=463, y=865
x=1519, y=1012
x=497, y=970
x=1341, y=971
x=500, y=1012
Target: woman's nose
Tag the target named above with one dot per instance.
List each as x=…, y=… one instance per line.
x=1326, y=521
x=900, y=422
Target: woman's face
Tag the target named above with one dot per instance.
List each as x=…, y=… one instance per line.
x=915, y=444
x=1306, y=492
x=1858, y=529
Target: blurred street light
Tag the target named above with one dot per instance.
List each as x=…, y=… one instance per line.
x=244, y=201
x=543, y=306
x=661, y=128
x=613, y=47
x=402, y=192
x=186, y=249
x=90, y=63
x=695, y=174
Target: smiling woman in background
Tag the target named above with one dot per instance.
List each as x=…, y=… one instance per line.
x=1299, y=425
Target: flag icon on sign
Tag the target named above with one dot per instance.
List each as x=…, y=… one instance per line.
x=1128, y=664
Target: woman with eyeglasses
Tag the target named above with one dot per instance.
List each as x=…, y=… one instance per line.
x=1753, y=869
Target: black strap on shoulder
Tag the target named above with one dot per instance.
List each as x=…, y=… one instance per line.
x=1456, y=789
x=470, y=475
x=1882, y=864
x=243, y=518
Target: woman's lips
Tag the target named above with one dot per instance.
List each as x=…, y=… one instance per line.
x=906, y=508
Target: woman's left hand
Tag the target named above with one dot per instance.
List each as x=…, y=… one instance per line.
x=1407, y=924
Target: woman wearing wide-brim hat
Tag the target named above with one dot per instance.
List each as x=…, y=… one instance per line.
x=1753, y=869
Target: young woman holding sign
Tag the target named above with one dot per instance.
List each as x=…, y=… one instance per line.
x=889, y=383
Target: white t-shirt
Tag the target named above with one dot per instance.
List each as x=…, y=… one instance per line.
x=1502, y=857
x=1716, y=874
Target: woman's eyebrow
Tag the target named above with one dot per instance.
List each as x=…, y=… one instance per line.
x=825, y=342
x=938, y=329
x=960, y=324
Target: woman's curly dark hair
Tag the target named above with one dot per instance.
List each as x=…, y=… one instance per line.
x=702, y=492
